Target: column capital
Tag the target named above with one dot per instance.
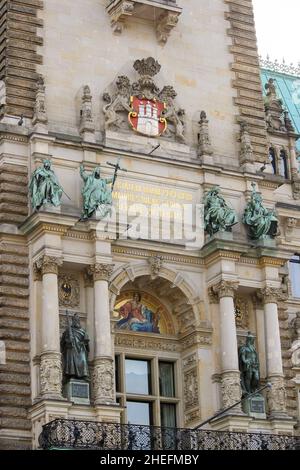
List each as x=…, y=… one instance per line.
x=47, y=265
x=272, y=295
x=223, y=289
x=101, y=271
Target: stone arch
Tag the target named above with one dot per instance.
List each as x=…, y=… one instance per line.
x=131, y=272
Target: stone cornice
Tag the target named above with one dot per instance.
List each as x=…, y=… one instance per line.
x=46, y=222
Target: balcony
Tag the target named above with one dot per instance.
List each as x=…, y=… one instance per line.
x=89, y=435
x=164, y=15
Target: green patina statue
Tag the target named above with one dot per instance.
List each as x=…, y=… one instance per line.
x=44, y=187
x=218, y=216
x=261, y=222
x=75, y=348
x=249, y=366
x=96, y=193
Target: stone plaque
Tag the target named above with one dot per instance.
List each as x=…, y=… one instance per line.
x=78, y=392
x=255, y=407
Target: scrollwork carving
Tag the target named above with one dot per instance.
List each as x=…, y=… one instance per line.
x=103, y=381
x=101, y=272
x=230, y=389
x=51, y=375
x=48, y=265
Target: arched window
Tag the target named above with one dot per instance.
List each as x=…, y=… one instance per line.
x=272, y=158
x=283, y=167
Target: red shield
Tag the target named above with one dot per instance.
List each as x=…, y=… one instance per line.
x=146, y=116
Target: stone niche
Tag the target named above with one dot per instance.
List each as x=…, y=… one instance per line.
x=164, y=15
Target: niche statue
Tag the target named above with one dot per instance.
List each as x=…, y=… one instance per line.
x=75, y=348
x=249, y=366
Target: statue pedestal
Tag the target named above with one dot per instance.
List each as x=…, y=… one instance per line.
x=50, y=208
x=77, y=391
x=255, y=407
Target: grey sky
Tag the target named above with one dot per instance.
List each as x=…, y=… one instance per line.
x=277, y=22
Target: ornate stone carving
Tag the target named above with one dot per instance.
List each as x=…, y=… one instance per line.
x=68, y=290
x=204, y=142
x=191, y=389
x=189, y=361
x=40, y=114
x=167, y=13
x=86, y=115
x=191, y=417
x=101, y=272
x=276, y=396
x=37, y=274
x=290, y=225
x=277, y=118
x=241, y=313
x=272, y=295
x=166, y=22
x=156, y=263
x=48, y=264
x=118, y=103
x=51, y=375
x=127, y=340
x=103, y=381
x=246, y=155
x=231, y=389
x=88, y=278
x=225, y=289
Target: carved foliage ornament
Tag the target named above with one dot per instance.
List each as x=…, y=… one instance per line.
x=103, y=380
x=191, y=389
x=51, y=375
x=47, y=265
x=149, y=110
x=101, y=272
x=230, y=388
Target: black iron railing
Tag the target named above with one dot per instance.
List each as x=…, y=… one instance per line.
x=71, y=434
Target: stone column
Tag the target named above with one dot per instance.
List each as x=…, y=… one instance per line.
x=230, y=384
x=50, y=366
x=103, y=373
x=277, y=395
x=89, y=296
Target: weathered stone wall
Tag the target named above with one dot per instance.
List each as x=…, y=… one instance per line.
x=245, y=65
x=19, y=39
x=14, y=309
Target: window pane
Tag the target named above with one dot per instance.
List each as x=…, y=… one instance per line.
x=166, y=379
x=137, y=377
x=168, y=415
x=295, y=278
x=138, y=413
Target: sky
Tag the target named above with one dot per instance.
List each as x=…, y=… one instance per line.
x=277, y=25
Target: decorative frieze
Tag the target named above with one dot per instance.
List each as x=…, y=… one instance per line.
x=162, y=344
x=276, y=396
x=101, y=271
x=51, y=375
x=48, y=264
x=230, y=389
x=191, y=389
x=103, y=381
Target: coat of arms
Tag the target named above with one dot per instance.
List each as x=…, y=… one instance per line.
x=146, y=116
x=149, y=110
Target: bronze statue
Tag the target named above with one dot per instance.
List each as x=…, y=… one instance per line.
x=249, y=366
x=44, y=187
x=261, y=222
x=75, y=348
x=218, y=216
